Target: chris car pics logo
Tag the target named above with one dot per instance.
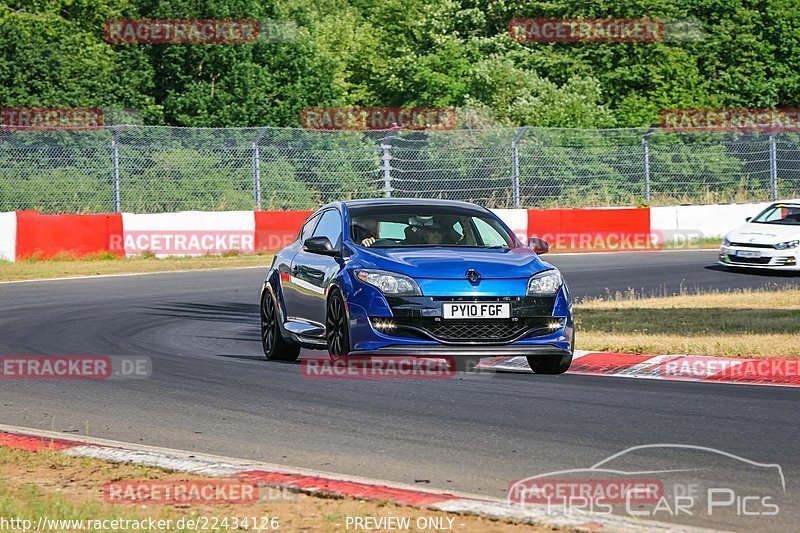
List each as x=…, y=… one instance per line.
x=682, y=480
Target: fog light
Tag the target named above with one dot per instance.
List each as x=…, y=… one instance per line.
x=383, y=324
x=555, y=325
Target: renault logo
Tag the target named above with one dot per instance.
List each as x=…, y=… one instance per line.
x=473, y=276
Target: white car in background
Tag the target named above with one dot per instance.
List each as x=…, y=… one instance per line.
x=770, y=239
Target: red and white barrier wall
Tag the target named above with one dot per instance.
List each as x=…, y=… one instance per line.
x=618, y=228
x=8, y=236
x=711, y=220
x=187, y=233
x=26, y=234
x=49, y=236
x=276, y=229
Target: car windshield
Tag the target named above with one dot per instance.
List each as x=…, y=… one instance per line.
x=404, y=226
x=787, y=214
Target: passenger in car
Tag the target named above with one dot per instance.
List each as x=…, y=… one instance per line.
x=432, y=235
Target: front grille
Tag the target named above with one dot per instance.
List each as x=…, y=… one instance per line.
x=484, y=330
x=750, y=245
x=749, y=260
x=466, y=331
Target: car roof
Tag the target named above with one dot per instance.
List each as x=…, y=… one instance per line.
x=368, y=202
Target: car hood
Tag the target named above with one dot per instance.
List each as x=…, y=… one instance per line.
x=453, y=263
x=764, y=233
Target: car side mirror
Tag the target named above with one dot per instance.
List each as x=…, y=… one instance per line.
x=538, y=245
x=319, y=245
x=748, y=219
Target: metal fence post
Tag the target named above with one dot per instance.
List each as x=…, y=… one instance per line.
x=773, y=166
x=515, y=165
x=387, y=170
x=256, y=177
x=646, y=157
x=257, y=169
x=115, y=162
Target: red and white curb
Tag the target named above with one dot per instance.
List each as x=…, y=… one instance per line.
x=319, y=483
x=677, y=367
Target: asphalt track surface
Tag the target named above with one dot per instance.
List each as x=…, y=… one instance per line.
x=211, y=391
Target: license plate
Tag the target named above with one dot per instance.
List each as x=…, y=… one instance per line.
x=747, y=253
x=462, y=310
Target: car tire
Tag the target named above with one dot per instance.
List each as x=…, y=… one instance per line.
x=549, y=364
x=276, y=348
x=337, y=328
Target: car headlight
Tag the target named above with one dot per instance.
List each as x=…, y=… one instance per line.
x=389, y=282
x=726, y=242
x=787, y=244
x=544, y=283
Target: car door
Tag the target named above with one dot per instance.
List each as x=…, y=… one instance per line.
x=283, y=263
x=312, y=273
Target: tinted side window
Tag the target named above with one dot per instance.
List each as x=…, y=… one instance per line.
x=489, y=235
x=308, y=227
x=330, y=226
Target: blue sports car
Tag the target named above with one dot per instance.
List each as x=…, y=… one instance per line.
x=420, y=278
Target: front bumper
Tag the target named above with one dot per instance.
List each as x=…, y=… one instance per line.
x=766, y=257
x=482, y=351
x=406, y=325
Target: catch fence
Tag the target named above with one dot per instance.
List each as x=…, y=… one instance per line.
x=160, y=169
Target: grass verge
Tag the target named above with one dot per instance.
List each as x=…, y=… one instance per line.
x=101, y=265
x=47, y=484
x=742, y=323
